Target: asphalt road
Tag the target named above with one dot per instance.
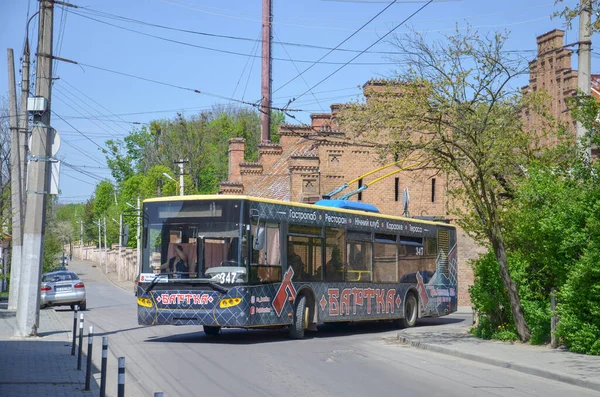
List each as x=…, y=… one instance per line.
x=359, y=360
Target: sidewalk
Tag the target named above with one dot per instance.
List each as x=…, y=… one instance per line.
x=449, y=335
x=41, y=366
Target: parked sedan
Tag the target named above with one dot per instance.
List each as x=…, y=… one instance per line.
x=62, y=288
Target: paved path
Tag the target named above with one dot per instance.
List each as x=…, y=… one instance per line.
x=449, y=335
x=43, y=366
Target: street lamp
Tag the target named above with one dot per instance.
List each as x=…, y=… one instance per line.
x=174, y=180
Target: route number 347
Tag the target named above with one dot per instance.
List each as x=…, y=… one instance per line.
x=225, y=278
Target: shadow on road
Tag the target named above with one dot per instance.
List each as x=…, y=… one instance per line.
x=237, y=336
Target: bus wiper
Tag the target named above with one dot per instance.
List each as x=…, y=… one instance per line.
x=155, y=281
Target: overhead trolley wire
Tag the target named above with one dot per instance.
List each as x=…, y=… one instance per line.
x=370, y=46
x=221, y=50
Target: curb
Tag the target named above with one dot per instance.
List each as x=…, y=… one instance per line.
x=503, y=364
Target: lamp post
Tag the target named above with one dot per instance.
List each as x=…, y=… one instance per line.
x=174, y=180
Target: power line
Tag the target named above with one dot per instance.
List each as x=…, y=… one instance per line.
x=82, y=151
x=337, y=46
x=104, y=150
x=58, y=90
x=92, y=99
x=225, y=51
x=377, y=41
x=180, y=87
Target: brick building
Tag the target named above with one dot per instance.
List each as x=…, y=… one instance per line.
x=311, y=161
x=552, y=72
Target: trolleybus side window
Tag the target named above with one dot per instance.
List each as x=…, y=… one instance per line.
x=415, y=260
x=359, y=251
x=305, y=252
x=335, y=260
x=385, y=264
x=266, y=255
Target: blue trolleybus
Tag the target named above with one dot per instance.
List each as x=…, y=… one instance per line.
x=245, y=262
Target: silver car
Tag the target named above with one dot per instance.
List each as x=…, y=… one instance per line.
x=62, y=288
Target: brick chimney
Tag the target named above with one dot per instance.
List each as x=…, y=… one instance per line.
x=236, y=156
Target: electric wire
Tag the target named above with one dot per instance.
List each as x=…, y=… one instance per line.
x=93, y=100
x=184, y=43
x=59, y=95
x=370, y=46
x=65, y=91
x=337, y=46
x=300, y=73
x=180, y=87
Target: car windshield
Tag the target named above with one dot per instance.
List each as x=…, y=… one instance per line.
x=187, y=238
x=54, y=277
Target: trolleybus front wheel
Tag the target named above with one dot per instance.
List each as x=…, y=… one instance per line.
x=211, y=331
x=300, y=319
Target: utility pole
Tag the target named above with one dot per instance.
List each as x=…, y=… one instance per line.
x=139, y=234
x=24, y=123
x=266, y=75
x=38, y=187
x=120, y=247
x=105, y=248
x=99, y=240
x=81, y=244
x=181, y=163
x=584, y=73
x=15, y=186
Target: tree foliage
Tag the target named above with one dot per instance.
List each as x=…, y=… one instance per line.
x=452, y=105
x=569, y=14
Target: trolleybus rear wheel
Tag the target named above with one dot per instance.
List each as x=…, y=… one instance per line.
x=411, y=311
x=211, y=331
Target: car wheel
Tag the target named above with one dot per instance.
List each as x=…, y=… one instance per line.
x=411, y=312
x=83, y=306
x=211, y=331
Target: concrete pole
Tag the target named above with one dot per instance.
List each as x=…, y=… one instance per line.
x=105, y=248
x=180, y=163
x=139, y=235
x=37, y=187
x=120, y=263
x=81, y=244
x=584, y=73
x=266, y=75
x=15, y=186
x=99, y=241
x=24, y=124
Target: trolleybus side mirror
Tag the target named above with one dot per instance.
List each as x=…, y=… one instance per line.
x=259, y=241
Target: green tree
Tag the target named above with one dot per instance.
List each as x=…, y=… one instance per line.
x=452, y=105
x=571, y=13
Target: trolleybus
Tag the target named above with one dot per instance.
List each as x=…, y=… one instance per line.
x=246, y=262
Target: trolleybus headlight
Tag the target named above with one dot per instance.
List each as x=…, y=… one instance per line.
x=146, y=302
x=229, y=302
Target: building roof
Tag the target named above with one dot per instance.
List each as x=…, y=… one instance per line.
x=275, y=183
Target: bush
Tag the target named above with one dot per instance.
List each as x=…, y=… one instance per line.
x=579, y=307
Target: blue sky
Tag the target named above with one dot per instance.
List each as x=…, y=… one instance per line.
x=103, y=105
